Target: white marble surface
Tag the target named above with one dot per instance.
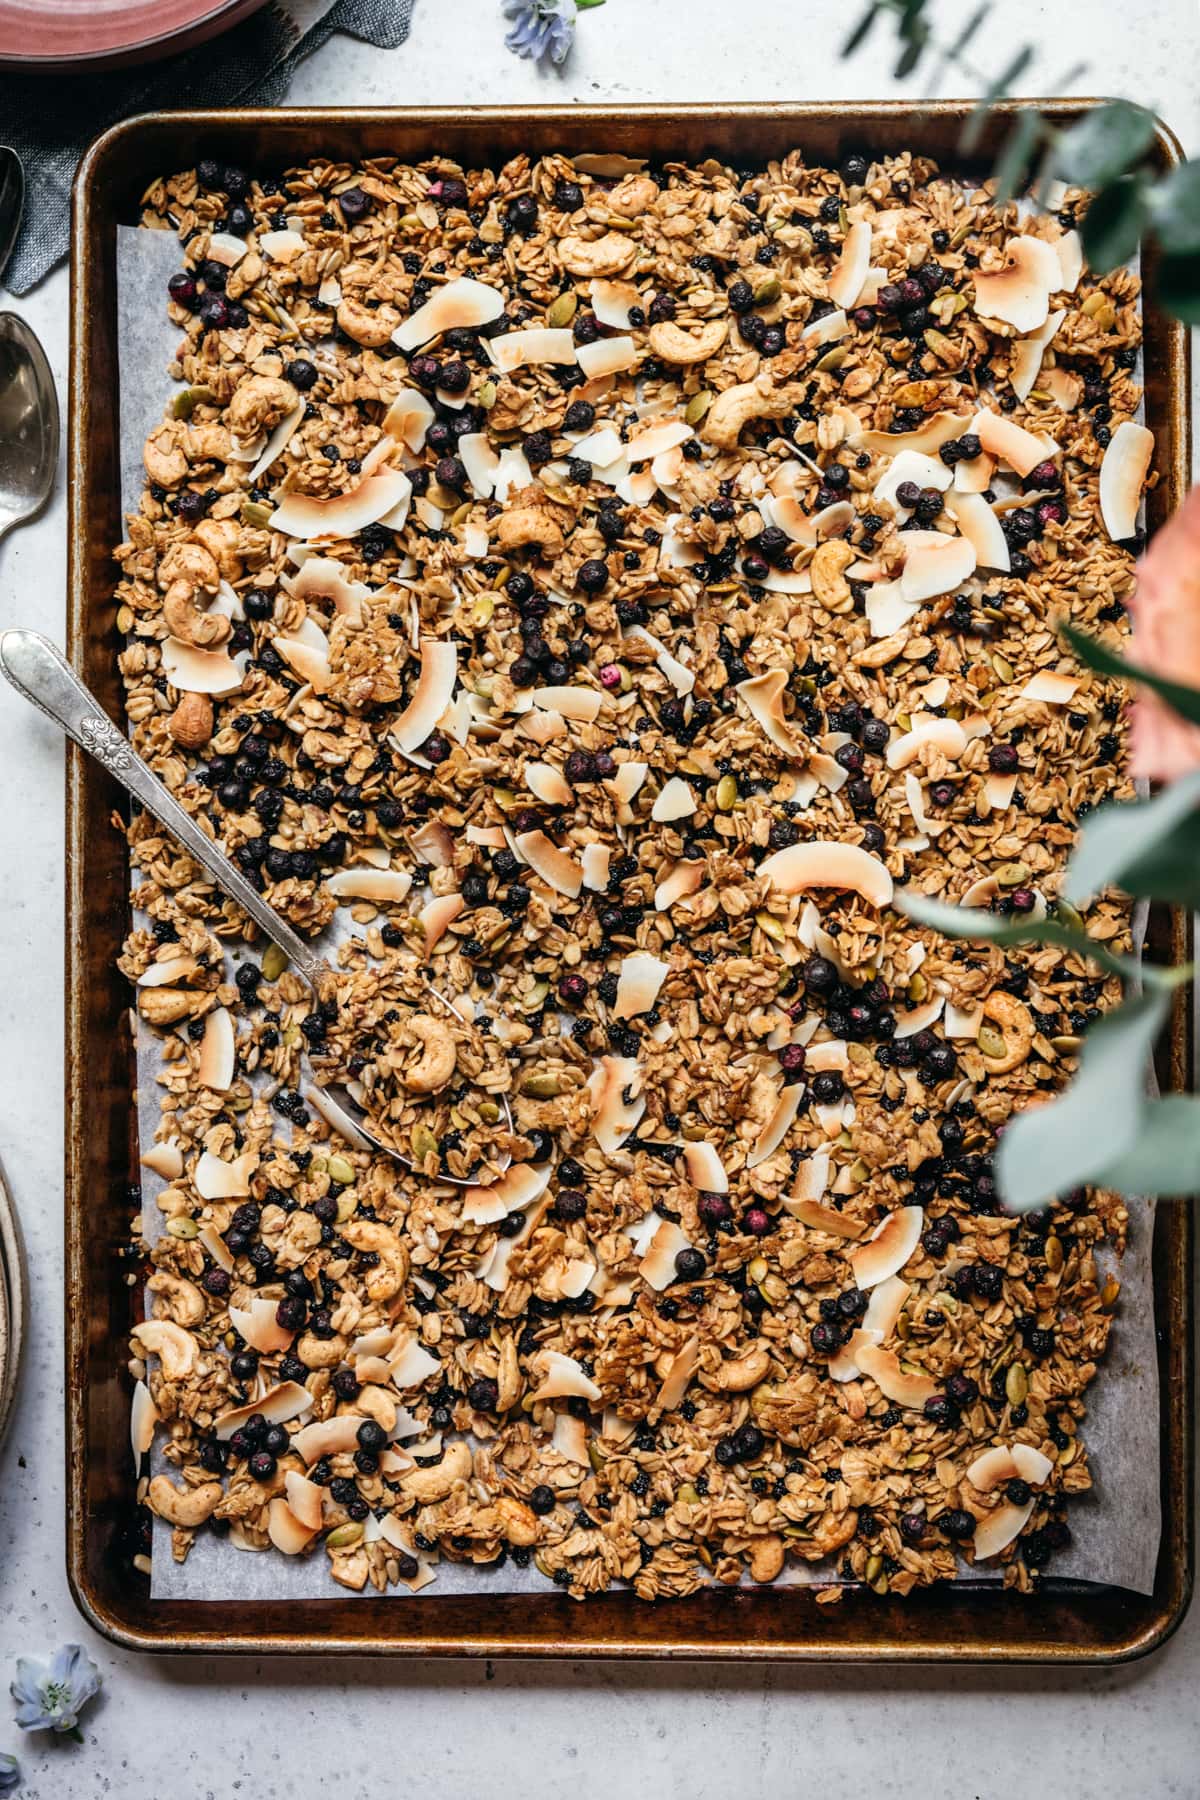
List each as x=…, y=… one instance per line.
x=216, y=1729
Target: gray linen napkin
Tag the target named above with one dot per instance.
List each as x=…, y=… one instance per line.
x=51, y=119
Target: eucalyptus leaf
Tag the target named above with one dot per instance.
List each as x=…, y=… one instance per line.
x=1095, y=655
x=1164, y=1157
x=1178, y=286
x=1013, y=159
x=1117, y=838
x=1049, y=1149
x=1115, y=221
x=974, y=922
x=861, y=30
x=955, y=49
x=1174, y=205
x=1104, y=144
x=1170, y=871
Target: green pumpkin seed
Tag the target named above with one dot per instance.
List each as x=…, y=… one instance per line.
x=541, y=1086
x=1016, y=1384
x=489, y=1111
x=182, y=1227
x=347, y=1205
x=255, y=514
x=423, y=1143
x=917, y=989
x=274, y=962
x=880, y=1587
x=767, y=923
x=341, y=1170
x=560, y=312
x=481, y=612
x=758, y=1269
x=1054, y=1253
x=595, y=1456
x=697, y=406
x=1003, y=668
x=727, y=793
x=343, y=1536
x=991, y=1042
x=832, y=359
x=1067, y=915
x=185, y=403
x=767, y=291
x=687, y=1494
x=874, y=1566
x=486, y=395
x=1013, y=874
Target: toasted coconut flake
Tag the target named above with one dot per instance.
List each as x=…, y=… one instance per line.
x=413, y=1365
x=218, y=1052
x=611, y=302
x=462, y=304
x=920, y=1018
x=911, y=465
x=885, y=1306
x=778, y=1125
x=281, y=246
x=607, y=356
x=533, y=346
x=883, y=1368
x=569, y=1438
x=595, y=859
x=963, y=1021
x=519, y=1186
x=812, y=1179
x=165, y=1159
x=328, y=1437
x=1009, y=442
x=310, y=664
x=981, y=528
x=933, y=569
x=683, y=1366
x=548, y=784
x=674, y=801
x=681, y=678
x=657, y=1266
x=562, y=1378
x=832, y=1053
x=626, y=784
x=386, y=886
x=1064, y=387
x=974, y=475
x=827, y=330
x=1019, y=293
x=683, y=881
x=258, y=1325
x=226, y=249
x=886, y=609
x=285, y=1530
x=305, y=1498
x=946, y=735
x=437, y=917
x=217, y=1180
x=937, y=430
x=705, y=1169
x=998, y=1529
x=581, y=704
x=888, y=1248
x=998, y=791
x=845, y=280
x=408, y=419
x=994, y=1466
x=601, y=448
x=434, y=844
x=763, y=695
x=1069, y=251
x=143, y=1417
x=1050, y=688
x=1122, y=476
x=278, y=442
x=822, y=863
x=638, y=984
x=431, y=696
x=480, y=461
x=195, y=671
x=279, y=1406
x=168, y=971
x=324, y=578
x=614, y=1117
x=341, y=515
x=556, y=868
x=1027, y=356
x=656, y=439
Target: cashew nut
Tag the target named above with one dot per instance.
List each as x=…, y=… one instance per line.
x=182, y=1300
x=427, y=1485
x=190, y=561
x=743, y=1372
x=736, y=407
x=221, y=538
x=508, y=1376
x=606, y=255
x=184, y=1506
x=379, y=1405
x=185, y=619
x=259, y=403
x=439, y=1055
x=320, y=1353
x=350, y=1568
x=371, y=329
x=512, y=1520
x=390, y=1273
x=674, y=345
x=209, y=443
x=175, y=1348
x=164, y=456
x=165, y=1005
x=1016, y=1033
x=527, y=525
x=191, y=724
x=766, y=1557
x=830, y=561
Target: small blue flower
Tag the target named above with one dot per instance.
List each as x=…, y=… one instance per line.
x=541, y=28
x=51, y=1699
x=10, y=1772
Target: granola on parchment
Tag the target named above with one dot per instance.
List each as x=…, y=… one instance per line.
x=608, y=585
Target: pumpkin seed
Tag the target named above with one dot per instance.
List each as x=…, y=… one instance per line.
x=341, y=1170
x=1068, y=1453
x=769, y=924
x=595, y=1456
x=727, y=793
x=347, y=1205
x=917, y=989
x=489, y=1111
x=767, y=291
x=917, y=1459
x=1003, y=668
x=874, y=1566
x=1110, y=1292
x=124, y=620
x=687, y=1494
x=423, y=1143
x=1016, y=1384
x=343, y=1536
x=481, y=612
x=274, y=962
x=1067, y=1045
x=1065, y=912
x=880, y=1587
x=1054, y=1253
x=832, y=359
x=486, y=394
x=183, y=1228
x=1013, y=874
x=541, y=1086
x=254, y=513
x=186, y=402
x=697, y=406
x=991, y=1042
x=758, y=1268
x=560, y=312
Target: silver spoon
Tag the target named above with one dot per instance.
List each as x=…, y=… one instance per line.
x=39, y=672
x=12, y=202
x=28, y=424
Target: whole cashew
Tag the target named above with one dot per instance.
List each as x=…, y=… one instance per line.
x=371, y=329
x=744, y=1372
x=182, y=1300
x=439, y=1056
x=190, y=561
x=1016, y=1029
x=606, y=255
x=527, y=525
x=350, y=1567
x=320, y=1353
x=379, y=1405
x=164, y=1005
x=164, y=457
x=184, y=619
x=766, y=1557
x=736, y=407
x=175, y=1348
x=633, y=196
x=510, y=1519
x=674, y=345
x=427, y=1485
x=259, y=403
x=830, y=561
x=221, y=537
x=388, y=1276
x=184, y=1506
x=209, y=443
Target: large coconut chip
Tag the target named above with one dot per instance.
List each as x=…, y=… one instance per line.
x=431, y=696
x=279, y=1406
x=778, y=1125
x=195, y=671
x=845, y=279
x=895, y=1383
x=462, y=305
x=556, y=868
x=981, y=528
x=997, y=1530
x=607, y=356
x=656, y=439
x=408, y=418
x=143, y=1417
x=1027, y=356
x=763, y=695
x=436, y=918
x=532, y=346
x=218, y=1052
x=562, y=1378
x=658, y=1263
x=341, y=515
x=888, y=1248
x=328, y=1437
x=1010, y=442
x=944, y=735
x=934, y=569
x=822, y=863
x=278, y=442
x=675, y=800
x=705, y=1170
x=638, y=984
x=387, y=887
x=683, y=881
x=614, y=1117
x=286, y=1532
x=219, y=1180
x=258, y=1325
x=1019, y=293
x=1122, y=476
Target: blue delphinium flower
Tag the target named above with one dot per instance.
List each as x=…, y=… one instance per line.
x=541, y=28
x=10, y=1772
x=52, y=1698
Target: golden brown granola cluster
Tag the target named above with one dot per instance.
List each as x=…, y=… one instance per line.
x=606, y=586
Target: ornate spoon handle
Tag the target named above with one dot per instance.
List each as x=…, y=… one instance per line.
x=42, y=674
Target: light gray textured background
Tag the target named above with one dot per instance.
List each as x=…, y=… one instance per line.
x=216, y=1730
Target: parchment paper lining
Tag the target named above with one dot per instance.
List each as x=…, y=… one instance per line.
x=1116, y=1526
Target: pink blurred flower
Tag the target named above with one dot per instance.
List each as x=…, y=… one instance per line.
x=1166, y=641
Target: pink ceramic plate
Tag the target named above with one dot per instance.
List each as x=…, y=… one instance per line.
x=96, y=34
